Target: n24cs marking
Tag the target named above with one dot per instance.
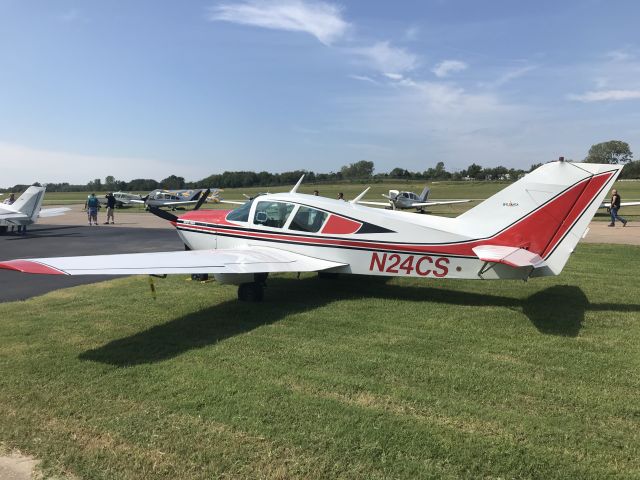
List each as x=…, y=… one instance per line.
x=422, y=265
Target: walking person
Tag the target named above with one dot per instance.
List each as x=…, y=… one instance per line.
x=615, y=206
x=91, y=206
x=111, y=205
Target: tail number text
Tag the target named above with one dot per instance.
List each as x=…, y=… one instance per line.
x=422, y=265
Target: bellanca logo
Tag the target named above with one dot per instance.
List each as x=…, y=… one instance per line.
x=510, y=204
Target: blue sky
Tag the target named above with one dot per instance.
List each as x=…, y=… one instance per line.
x=153, y=88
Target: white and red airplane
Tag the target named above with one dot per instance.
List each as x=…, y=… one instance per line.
x=529, y=229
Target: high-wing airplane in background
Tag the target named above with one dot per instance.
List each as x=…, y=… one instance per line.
x=171, y=198
x=26, y=210
x=124, y=199
x=401, y=200
x=529, y=229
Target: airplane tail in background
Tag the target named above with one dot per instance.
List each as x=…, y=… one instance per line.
x=425, y=194
x=545, y=213
x=30, y=202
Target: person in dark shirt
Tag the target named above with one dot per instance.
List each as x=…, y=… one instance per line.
x=615, y=206
x=111, y=205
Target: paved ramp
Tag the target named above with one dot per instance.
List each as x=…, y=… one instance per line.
x=71, y=240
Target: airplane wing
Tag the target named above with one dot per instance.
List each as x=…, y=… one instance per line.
x=623, y=204
x=444, y=202
x=53, y=212
x=233, y=202
x=180, y=202
x=254, y=260
x=512, y=256
x=380, y=204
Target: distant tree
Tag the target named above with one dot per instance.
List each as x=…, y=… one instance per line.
x=172, y=183
x=109, y=181
x=534, y=166
x=399, y=172
x=475, y=171
x=613, y=151
x=361, y=169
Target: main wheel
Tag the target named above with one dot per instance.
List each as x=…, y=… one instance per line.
x=328, y=275
x=251, y=292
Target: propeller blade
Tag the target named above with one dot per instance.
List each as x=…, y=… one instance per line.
x=203, y=198
x=158, y=212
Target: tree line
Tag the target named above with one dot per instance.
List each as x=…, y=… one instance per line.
x=613, y=151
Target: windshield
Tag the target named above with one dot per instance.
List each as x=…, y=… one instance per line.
x=240, y=214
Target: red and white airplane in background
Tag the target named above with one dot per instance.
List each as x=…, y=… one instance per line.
x=529, y=229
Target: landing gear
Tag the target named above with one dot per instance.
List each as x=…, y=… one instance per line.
x=3, y=229
x=328, y=275
x=251, y=292
x=199, y=277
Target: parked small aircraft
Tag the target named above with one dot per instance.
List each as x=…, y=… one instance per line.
x=170, y=198
x=401, y=200
x=26, y=210
x=124, y=199
x=529, y=229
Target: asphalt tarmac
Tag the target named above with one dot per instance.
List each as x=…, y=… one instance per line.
x=71, y=240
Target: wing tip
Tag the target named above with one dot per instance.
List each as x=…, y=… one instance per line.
x=29, y=266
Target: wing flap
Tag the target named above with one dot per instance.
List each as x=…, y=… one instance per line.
x=256, y=260
x=512, y=256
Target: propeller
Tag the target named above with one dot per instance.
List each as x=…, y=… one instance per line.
x=203, y=198
x=158, y=212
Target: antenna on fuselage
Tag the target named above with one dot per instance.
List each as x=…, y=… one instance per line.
x=295, y=189
x=359, y=197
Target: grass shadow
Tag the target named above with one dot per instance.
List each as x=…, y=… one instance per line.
x=557, y=310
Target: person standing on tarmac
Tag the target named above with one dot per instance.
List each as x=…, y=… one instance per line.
x=111, y=205
x=91, y=206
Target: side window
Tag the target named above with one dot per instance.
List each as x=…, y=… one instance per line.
x=308, y=220
x=240, y=214
x=272, y=214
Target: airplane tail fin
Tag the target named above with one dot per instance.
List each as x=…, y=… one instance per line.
x=545, y=213
x=30, y=201
x=425, y=194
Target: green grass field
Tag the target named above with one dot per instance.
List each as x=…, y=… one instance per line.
x=350, y=378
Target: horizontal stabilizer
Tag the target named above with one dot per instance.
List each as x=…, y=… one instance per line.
x=512, y=256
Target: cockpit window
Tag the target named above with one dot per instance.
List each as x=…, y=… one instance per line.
x=308, y=220
x=272, y=214
x=240, y=214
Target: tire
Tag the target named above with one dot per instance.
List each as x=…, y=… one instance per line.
x=199, y=277
x=328, y=275
x=3, y=230
x=251, y=292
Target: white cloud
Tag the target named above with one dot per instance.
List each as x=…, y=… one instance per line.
x=322, y=20
x=606, y=95
x=386, y=58
x=619, y=56
x=512, y=75
x=411, y=33
x=446, y=67
x=363, y=78
x=393, y=76
x=25, y=165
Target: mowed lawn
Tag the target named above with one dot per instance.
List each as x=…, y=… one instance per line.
x=350, y=378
